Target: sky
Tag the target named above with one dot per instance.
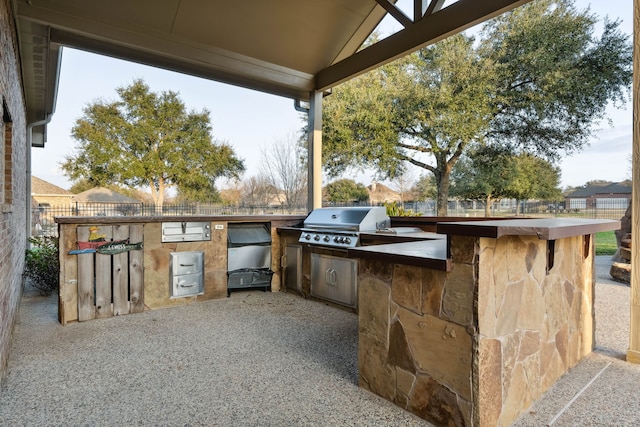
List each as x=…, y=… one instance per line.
x=250, y=121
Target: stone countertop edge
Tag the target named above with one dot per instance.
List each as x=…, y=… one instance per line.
x=543, y=228
x=176, y=218
x=424, y=253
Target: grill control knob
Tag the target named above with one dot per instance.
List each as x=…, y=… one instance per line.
x=335, y=239
x=316, y=237
x=326, y=238
x=347, y=240
x=307, y=236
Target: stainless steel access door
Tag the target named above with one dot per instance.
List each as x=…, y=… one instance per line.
x=292, y=266
x=334, y=279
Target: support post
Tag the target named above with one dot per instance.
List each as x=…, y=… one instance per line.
x=314, y=181
x=633, y=353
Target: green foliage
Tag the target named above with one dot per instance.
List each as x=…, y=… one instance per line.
x=346, y=190
x=492, y=173
x=606, y=243
x=535, y=178
x=195, y=193
x=425, y=188
x=485, y=173
x=537, y=81
x=42, y=264
x=394, y=210
x=84, y=185
x=555, y=76
x=148, y=140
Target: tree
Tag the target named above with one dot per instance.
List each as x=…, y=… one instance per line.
x=284, y=167
x=494, y=173
x=84, y=185
x=230, y=195
x=484, y=175
x=601, y=182
x=149, y=140
x=535, y=178
x=403, y=184
x=425, y=188
x=258, y=191
x=346, y=190
x=197, y=193
x=536, y=81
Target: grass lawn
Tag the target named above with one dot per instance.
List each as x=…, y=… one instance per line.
x=606, y=243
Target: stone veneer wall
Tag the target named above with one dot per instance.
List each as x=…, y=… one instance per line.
x=12, y=215
x=416, y=338
x=156, y=266
x=533, y=326
x=476, y=345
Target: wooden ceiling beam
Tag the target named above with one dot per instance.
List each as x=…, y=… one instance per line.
x=430, y=29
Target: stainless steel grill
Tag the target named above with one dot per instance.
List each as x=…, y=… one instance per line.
x=329, y=232
x=340, y=227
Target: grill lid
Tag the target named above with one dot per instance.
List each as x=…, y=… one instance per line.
x=360, y=218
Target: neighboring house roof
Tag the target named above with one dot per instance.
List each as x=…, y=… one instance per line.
x=380, y=193
x=592, y=190
x=103, y=195
x=617, y=188
x=42, y=187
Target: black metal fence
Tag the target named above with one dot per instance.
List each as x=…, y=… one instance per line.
x=43, y=217
x=614, y=209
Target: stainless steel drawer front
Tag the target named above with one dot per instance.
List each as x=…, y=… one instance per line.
x=187, y=285
x=187, y=263
x=186, y=273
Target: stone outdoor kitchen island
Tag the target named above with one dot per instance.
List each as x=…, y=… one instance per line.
x=473, y=329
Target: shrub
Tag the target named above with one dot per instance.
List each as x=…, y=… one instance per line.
x=394, y=210
x=42, y=264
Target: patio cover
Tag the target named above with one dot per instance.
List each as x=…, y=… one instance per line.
x=284, y=47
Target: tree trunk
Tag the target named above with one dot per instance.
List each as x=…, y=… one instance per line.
x=487, y=206
x=157, y=194
x=161, y=188
x=442, y=198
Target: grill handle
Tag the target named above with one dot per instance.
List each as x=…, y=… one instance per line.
x=332, y=227
x=331, y=277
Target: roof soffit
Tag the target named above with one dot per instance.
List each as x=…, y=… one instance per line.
x=273, y=46
x=283, y=47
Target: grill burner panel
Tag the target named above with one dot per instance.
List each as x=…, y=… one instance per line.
x=330, y=238
x=340, y=227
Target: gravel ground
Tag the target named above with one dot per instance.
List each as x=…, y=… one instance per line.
x=260, y=359
x=255, y=359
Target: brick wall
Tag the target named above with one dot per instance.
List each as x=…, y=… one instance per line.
x=12, y=212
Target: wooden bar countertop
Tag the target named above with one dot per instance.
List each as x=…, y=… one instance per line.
x=430, y=249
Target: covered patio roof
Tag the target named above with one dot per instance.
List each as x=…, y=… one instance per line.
x=290, y=48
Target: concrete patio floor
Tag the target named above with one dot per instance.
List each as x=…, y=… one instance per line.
x=260, y=359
